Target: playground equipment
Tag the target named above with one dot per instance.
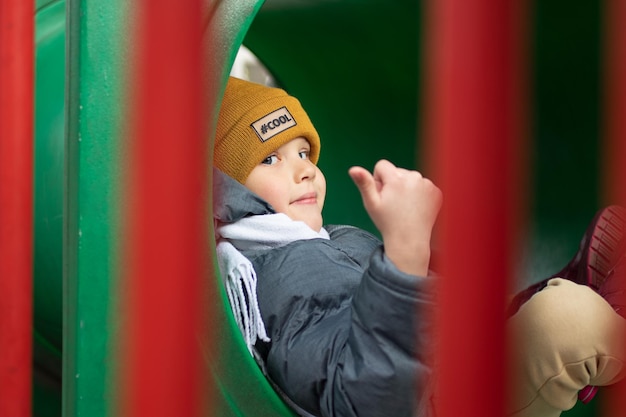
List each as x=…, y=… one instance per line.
x=355, y=65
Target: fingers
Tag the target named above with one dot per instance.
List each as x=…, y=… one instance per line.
x=366, y=184
x=393, y=189
x=371, y=184
x=403, y=206
x=384, y=170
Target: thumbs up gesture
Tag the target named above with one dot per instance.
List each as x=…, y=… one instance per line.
x=403, y=206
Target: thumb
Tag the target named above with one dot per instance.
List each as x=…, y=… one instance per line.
x=366, y=184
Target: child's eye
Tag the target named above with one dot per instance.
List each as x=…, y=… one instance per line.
x=304, y=154
x=270, y=160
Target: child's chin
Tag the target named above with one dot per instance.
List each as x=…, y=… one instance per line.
x=315, y=225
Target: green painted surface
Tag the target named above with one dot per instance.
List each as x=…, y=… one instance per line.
x=48, y=216
x=49, y=153
x=95, y=106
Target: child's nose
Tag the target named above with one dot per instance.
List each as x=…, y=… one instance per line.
x=304, y=170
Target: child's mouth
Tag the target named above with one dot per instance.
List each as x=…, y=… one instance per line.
x=308, y=198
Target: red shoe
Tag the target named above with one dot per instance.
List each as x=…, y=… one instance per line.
x=605, y=269
x=600, y=249
x=612, y=289
x=586, y=394
x=598, y=252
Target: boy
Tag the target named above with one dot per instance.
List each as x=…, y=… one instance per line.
x=343, y=324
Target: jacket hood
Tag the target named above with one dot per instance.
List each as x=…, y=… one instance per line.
x=232, y=201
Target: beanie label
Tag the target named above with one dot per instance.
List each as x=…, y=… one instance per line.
x=273, y=123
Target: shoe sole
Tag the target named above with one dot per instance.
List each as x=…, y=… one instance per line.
x=607, y=245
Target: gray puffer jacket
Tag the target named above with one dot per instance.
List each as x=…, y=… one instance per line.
x=351, y=335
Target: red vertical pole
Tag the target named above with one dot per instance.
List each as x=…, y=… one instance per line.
x=16, y=188
x=474, y=117
x=166, y=219
x=615, y=138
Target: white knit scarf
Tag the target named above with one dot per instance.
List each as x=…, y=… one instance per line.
x=255, y=232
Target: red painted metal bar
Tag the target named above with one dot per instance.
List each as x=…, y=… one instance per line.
x=164, y=260
x=16, y=229
x=475, y=60
x=615, y=140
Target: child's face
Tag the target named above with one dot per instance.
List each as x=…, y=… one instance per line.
x=291, y=183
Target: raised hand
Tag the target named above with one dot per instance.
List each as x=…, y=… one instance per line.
x=404, y=207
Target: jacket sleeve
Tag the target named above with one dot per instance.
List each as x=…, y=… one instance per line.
x=351, y=351
x=388, y=347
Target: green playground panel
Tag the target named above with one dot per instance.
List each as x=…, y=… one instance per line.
x=355, y=65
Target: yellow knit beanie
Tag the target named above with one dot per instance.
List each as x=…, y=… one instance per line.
x=254, y=121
